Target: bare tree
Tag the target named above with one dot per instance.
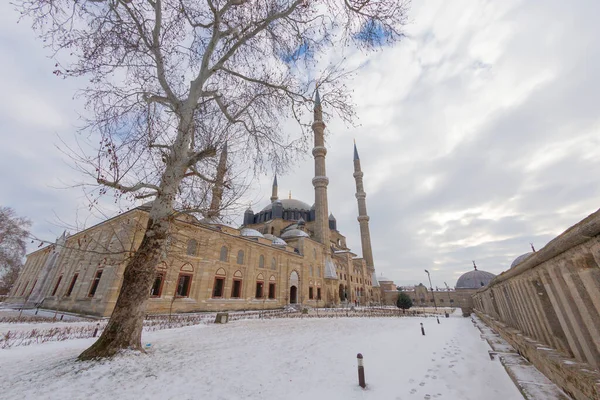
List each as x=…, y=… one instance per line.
x=172, y=81
x=14, y=231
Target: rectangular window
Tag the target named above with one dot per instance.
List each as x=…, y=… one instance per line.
x=236, y=290
x=72, y=285
x=310, y=293
x=259, y=290
x=32, y=286
x=451, y=300
x=218, y=288
x=319, y=293
x=95, y=283
x=56, y=286
x=271, y=290
x=156, y=290
x=183, y=285
x=24, y=287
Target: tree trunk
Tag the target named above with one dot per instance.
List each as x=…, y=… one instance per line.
x=124, y=329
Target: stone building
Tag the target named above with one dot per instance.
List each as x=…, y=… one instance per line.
x=287, y=253
x=460, y=296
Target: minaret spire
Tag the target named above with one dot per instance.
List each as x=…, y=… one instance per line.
x=274, y=191
x=217, y=191
x=363, y=218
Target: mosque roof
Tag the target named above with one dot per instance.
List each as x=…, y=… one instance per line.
x=248, y=232
x=290, y=204
x=520, y=259
x=293, y=233
x=474, y=279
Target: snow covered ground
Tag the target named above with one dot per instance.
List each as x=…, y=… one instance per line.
x=272, y=359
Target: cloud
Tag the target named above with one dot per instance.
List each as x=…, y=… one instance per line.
x=478, y=134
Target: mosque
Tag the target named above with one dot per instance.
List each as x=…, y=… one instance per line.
x=289, y=252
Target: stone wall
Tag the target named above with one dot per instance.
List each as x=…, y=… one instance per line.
x=548, y=307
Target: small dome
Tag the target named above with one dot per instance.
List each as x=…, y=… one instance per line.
x=474, y=279
x=279, y=242
x=269, y=236
x=293, y=233
x=520, y=259
x=247, y=232
x=384, y=279
x=301, y=222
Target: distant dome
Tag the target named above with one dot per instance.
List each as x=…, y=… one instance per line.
x=293, y=233
x=247, y=232
x=520, y=259
x=474, y=279
x=269, y=236
x=384, y=279
x=290, y=204
x=279, y=242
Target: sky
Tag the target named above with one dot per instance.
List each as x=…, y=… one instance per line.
x=478, y=134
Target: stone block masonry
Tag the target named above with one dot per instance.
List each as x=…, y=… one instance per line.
x=548, y=308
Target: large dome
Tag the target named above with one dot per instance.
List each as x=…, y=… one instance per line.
x=474, y=279
x=290, y=204
x=520, y=259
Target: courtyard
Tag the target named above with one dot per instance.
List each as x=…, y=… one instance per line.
x=272, y=359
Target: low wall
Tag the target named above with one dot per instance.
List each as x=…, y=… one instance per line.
x=548, y=307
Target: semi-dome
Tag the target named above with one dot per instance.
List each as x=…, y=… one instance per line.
x=290, y=204
x=293, y=233
x=248, y=232
x=279, y=242
x=520, y=259
x=474, y=279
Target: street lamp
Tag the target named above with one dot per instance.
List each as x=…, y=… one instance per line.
x=431, y=288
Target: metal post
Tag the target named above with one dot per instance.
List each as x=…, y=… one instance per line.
x=96, y=330
x=422, y=329
x=361, y=371
x=438, y=319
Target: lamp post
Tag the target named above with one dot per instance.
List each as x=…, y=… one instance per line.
x=431, y=288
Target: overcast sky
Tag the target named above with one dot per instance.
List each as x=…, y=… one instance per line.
x=479, y=133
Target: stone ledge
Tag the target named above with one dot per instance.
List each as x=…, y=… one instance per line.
x=578, y=380
x=531, y=382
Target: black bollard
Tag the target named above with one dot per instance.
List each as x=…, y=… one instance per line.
x=422, y=329
x=438, y=319
x=361, y=371
x=96, y=330
x=61, y=317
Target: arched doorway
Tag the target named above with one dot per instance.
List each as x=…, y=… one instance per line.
x=293, y=294
x=294, y=280
x=341, y=292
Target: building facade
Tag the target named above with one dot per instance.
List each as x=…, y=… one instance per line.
x=287, y=253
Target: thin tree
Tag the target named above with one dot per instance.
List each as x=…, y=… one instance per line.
x=172, y=80
x=14, y=231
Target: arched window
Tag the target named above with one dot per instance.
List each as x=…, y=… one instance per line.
x=312, y=271
x=319, y=272
x=224, y=254
x=240, y=257
x=219, y=282
x=260, y=283
x=236, y=288
x=192, y=247
x=261, y=261
x=272, y=230
x=315, y=254
x=273, y=264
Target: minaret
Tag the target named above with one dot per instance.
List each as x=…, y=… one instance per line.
x=363, y=218
x=274, y=191
x=320, y=181
x=217, y=191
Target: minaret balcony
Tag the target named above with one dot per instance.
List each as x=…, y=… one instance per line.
x=320, y=181
x=319, y=151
